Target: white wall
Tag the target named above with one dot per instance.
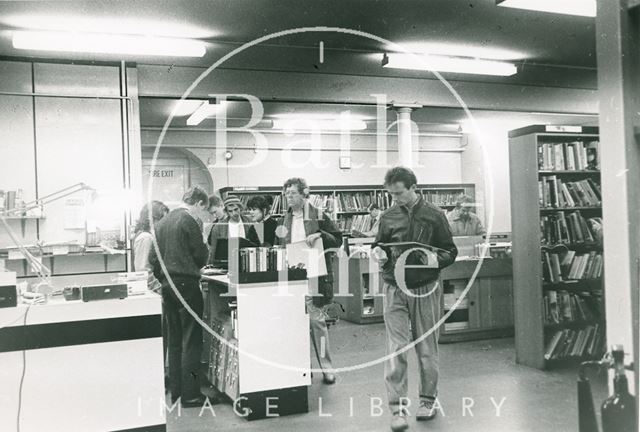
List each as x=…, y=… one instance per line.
x=295, y=156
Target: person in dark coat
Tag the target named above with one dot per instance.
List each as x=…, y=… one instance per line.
x=264, y=224
x=183, y=253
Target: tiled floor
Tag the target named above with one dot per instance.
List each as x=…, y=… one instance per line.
x=531, y=400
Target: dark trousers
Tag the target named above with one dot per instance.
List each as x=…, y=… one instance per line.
x=185, y=338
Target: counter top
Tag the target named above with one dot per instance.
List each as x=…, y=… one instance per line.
x=60, y=310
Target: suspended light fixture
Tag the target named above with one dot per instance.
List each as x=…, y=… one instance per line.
x=104, y=43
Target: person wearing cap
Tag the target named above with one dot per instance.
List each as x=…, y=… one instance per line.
x=462, y=220
x=304, y=222
x=235, y=225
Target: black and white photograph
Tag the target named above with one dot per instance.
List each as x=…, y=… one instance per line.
x=319, y=215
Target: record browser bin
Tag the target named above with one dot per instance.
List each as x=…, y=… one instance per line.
x=264, y=264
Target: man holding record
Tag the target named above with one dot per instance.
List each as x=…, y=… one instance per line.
x=413, y=244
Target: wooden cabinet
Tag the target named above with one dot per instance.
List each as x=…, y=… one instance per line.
x=486, y=311
x=358, y=288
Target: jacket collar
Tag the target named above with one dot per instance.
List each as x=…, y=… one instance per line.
x=310, y=216
x=417, y=203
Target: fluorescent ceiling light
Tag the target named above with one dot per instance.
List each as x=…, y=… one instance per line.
x=185, y=107
x=564, y=114
x=205, y=110
x=450, y=49
x=317, y=124
x=321, y=116
x=108, y=44
x=568, y=7
x=448, y=64
x=105, y=24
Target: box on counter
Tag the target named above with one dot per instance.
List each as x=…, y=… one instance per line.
x=137, y=282
x=8, y=290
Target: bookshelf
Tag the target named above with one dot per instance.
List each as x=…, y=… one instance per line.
x=347, y=204
x=556, y=218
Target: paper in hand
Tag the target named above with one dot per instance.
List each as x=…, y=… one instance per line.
x=311, y=257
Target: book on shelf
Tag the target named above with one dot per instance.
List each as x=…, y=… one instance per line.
x=277, y=206
x=569, y=156
x=564, y=307
x=322, y=201
x=554, y=193
x=567, y=343
x=569, y=228
x=568, y=265
x=359, y=223
x=442, y=198
x=354, y=201
x=384, y=200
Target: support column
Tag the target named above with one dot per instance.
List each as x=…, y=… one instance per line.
x=617, y=36
x=405, y=144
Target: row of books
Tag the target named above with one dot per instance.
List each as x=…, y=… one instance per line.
x=441, y=198
x=278, y=206
x=569, y=265
x=564, y=307
x=569, y=156
x=570, y=228
x=354, y=201
x=322, y=201
x=568, y=343
x=262, y=259
x=553, y=192
x=358, y=222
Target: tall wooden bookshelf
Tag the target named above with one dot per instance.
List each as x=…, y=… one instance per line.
x=558, y=302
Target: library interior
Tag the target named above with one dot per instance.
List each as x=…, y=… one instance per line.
x=248, y=215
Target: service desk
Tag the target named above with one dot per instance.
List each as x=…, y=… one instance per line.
x=90, y=367
x=260, y=352
x=487, y=309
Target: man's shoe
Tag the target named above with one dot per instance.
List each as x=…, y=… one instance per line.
x=399, y=422
x=329, y=378
x=426, y=411
x=198, y=402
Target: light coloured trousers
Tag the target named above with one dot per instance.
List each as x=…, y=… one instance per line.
x=319, y=335
x=408, y=316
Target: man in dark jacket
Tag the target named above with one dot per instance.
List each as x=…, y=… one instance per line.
x=304, y=222
x=412, y=294
x=184, y=253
